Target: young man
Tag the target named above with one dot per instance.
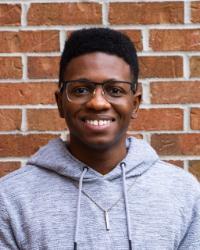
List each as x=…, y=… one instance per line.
x=99, y=190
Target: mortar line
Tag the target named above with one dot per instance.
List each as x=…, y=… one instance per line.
x=187, y=12
x=105, y=11
x=186, y=119
x=25, y=7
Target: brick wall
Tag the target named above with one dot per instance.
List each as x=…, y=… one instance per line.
x=167, y=37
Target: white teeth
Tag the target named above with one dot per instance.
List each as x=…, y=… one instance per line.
x=101, y=123
x=98, y=122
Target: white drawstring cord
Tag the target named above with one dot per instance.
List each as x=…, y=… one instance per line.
x=123, y=164
x=78, y=206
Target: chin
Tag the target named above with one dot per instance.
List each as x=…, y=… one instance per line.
x=102, y=143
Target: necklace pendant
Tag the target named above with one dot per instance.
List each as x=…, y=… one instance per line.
x=107, y=220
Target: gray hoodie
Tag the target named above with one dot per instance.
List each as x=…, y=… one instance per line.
x=57, y=202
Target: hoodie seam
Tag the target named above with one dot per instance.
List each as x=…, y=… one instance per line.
x=16, y=173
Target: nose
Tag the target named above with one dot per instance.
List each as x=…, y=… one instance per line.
x=98, y=101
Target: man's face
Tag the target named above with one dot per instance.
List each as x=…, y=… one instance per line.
x=98, y=123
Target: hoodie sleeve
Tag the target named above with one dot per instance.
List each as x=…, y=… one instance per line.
x=7, y=240
x=191, y=240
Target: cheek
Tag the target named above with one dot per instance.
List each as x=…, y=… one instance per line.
x=125, y=109
x=70, y=112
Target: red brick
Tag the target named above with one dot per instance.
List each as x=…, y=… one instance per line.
x=176, y=144
x=183, y=92
x=10, y=14
x=29, y=41
x=172, y=40
x=64, y=13
x=195, y=12
x=176, y=163
x=149, y=119
x=195, y=118
x=161, y=66
x=45, y=119
x=194, y=168
x=8, y=167
x=43, y=67
x=195, y=66
x=10, y=119
x=146, y=13
x=11, y=67
x=31, y=93
x=22, y=145
x=135, y=36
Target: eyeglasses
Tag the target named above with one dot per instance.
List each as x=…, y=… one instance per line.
x=81, y=91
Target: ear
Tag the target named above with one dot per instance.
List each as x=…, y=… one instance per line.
x=137, y=98
x=58, y=96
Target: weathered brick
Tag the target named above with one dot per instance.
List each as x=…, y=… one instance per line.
x=161, y=66
x=64, y=13
x=10, y=14
x=8, y=167
x=176, y=163
x=22, y=145
x=146, y=13
x=31, y=93
x=172, y=40
x=195, y=66
x=194, y=168
x=176, y=144
x=10, y=119
x=195, y=118
x=29, y=41
x=183, y=92
x=195, y=12
x=45, y=119
x=43, y=67
x=135, y=36
x=11, y=68
x=172, y=119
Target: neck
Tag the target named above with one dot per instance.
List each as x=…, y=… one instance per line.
x=103, y=160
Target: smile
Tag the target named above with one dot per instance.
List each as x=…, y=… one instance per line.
x=98, y=122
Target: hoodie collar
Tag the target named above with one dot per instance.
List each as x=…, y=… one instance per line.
x=56, y=157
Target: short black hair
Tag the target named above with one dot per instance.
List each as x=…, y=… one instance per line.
x=105, y=40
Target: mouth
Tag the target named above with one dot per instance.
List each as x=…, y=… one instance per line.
x=100, y=122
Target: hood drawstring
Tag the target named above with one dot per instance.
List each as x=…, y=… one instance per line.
x=78, y=206
x=123, y=164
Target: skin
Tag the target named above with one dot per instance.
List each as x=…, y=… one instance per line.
x=100, y=148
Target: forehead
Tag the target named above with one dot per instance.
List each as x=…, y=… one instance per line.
x=98, y=66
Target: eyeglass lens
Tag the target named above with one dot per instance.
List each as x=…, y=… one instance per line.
x=81, y=92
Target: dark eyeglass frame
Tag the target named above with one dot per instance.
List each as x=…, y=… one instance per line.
x=64, y=83
x=102, y=84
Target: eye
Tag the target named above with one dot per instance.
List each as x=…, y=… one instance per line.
x=114, y=90
x=80, y=91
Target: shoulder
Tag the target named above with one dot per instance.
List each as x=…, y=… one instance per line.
x=24, y=180
x=175, y=173
x=18, y=177
x=182, y=184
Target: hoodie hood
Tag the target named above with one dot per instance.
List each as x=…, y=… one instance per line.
x=56, y=157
